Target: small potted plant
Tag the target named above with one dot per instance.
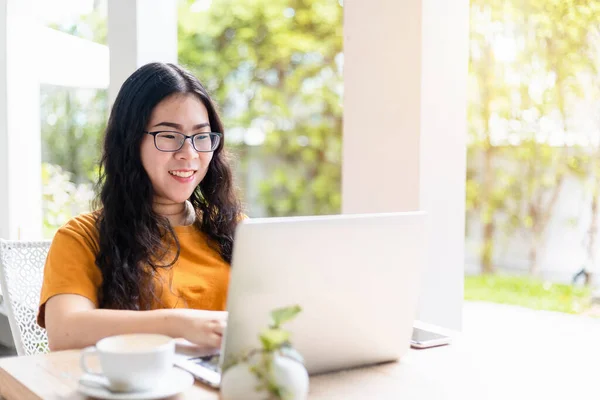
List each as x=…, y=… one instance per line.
x=274, y=371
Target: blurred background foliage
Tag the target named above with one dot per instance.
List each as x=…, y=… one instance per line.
x=533, y=122
x=275, y=69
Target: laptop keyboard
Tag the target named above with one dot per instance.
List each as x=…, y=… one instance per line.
x=209, y=362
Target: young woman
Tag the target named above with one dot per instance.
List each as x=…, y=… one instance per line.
x=155, y=255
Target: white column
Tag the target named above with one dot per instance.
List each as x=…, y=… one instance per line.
x=139, y=32
x=20, y=141
x=405, y=78
x=382, y=81
x=443, y=155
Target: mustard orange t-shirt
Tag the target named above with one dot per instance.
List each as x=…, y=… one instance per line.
x=199, y=279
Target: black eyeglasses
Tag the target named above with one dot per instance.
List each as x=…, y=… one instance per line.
x=171, y=141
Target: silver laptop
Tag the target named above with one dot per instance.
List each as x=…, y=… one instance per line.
x=356, y=277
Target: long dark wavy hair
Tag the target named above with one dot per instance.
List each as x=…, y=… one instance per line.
x=134, y=241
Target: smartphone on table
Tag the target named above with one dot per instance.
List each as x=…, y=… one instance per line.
x=423, y=339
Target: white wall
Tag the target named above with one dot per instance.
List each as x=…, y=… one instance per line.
x=405, y=77
x=20, y=142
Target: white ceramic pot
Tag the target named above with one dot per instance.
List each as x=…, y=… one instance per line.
x=239, y=383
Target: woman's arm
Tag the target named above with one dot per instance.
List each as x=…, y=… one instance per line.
x=72, y=321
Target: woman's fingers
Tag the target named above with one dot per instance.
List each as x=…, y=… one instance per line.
x=217, y=326
x=214, y=340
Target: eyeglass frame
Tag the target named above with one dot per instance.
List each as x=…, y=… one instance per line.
x=186, y=137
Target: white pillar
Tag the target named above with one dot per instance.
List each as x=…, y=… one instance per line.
x=443, y=155
x=139, y=32
x=404, y=146
x=20, y=140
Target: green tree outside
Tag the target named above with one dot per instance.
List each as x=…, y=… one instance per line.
x=275, y=68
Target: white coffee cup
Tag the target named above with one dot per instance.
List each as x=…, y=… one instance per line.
x=134, y=362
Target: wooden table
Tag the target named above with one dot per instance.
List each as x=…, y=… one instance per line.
x=440, y=373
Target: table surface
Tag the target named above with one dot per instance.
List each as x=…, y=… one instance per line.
x=420, y=374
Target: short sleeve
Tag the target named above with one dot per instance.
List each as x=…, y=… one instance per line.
x=71, y=263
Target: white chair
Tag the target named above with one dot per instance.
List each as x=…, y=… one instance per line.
x=21, y=275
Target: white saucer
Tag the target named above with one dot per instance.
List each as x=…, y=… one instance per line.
x=176, y=382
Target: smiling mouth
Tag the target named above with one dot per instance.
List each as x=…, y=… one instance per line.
x=182, y=174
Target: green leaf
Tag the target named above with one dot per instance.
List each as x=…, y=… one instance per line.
x=273, y=338
x=285, y=314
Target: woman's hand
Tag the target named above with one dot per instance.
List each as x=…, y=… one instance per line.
x=201, y=327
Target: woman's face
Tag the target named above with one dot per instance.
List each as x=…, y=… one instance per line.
x=175, y=175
